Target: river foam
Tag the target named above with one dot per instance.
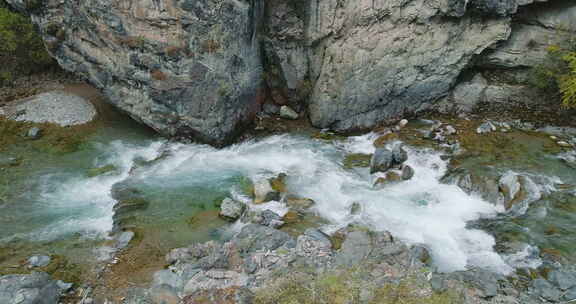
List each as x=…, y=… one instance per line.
x=419, y=211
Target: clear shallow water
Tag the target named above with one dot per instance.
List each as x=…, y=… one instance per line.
x=187, y=180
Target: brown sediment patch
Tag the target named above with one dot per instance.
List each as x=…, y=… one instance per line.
x=134, y=267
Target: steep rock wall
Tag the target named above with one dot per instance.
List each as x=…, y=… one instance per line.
x=186, y=68
x=201, y=69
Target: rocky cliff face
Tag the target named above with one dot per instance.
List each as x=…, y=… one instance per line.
x=203, y=69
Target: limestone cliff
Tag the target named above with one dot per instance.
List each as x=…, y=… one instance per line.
x=202, y=69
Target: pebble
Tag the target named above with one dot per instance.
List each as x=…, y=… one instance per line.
x=403, y=123
x=564, y=144
x=552, y=137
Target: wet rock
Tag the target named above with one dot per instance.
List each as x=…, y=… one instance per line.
x=34, y=288
x=487, y=187
x=564, y=144
x=123, y=239
x=299, y=204
x=386, y=139
x=355, y=208
x=34, y=133
x=38, y=261
x=101, y=170
x=279, y=183
x=407, y=172
x=263, y=192
x=402, y=123
x=399, y=155
x=358, y=160
x=288, y=113
x=391, y=177
x=231, y=209
x=268, y=218
x=544, y=289
x=563, y=279
x=382, y=160
x=486, y=127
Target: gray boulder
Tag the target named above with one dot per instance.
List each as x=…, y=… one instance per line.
x=257, y=237
x=407, y=172
x=544, y=289
x=563, y=279
x=356, y=247
x=34, y=288
x=399, y=155
x=268, y=218
x=382, y=160
x=231, y=209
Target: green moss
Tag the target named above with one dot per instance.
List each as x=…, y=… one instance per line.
x=343, y=286
x=101, y=170
x=357, y=160
x=55, y=139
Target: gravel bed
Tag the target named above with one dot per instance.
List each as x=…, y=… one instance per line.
x=55, y=107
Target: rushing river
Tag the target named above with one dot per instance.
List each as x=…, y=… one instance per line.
x=54, y=199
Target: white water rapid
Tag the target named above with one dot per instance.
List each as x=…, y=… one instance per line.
x=419, y=211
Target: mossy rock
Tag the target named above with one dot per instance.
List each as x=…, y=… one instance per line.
x=390, y=178
x=279, y=183
x=385, y=139
x=357, y=160
x=101, y=170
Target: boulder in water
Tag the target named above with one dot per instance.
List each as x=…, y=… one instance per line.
x=407, y=172
x=391, y=177
x=382, y=160
x=263, y=192
x=231, y=209
x=399, y=155
x=299, y=204
x=267, y=218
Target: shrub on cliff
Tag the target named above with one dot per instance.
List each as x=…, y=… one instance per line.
x=22, y=51
x=557, y=74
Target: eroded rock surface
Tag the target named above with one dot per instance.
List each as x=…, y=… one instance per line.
x=195, y=69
